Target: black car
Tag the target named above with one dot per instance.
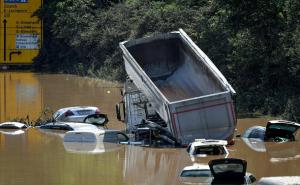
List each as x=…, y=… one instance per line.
x=276, y=130
x=230, y=171
x=218, y=171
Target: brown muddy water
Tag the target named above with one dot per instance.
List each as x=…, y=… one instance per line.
x=34, y=157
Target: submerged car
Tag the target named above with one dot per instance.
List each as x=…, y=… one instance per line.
x=12, y=128
x=281, y=130
x=68, y=126
x=204, y=147
x=104, y=135
x=276, y=130
x=75, y=114
x=255, y=132
x=230, y=171
x=13, y=125
x=218, y=171
x=197, y=173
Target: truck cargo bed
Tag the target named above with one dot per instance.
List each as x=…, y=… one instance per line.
x=174, y=69
x=186, y=89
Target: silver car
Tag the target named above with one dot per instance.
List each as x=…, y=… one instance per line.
x=75, y=114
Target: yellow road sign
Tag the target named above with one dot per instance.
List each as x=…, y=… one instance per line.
x=20, y=32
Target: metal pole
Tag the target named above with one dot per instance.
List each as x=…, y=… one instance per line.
x=4, y=39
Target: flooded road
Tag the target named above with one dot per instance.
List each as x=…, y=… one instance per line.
x=23, y=94
x=35, y=157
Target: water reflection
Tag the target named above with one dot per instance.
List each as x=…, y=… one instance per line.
x=53, y=132
x=11, y=132
x=20, y=95
x=36, y=157
x=153, y=166
x=255, y=144
x=91, y=147
x=277, y=152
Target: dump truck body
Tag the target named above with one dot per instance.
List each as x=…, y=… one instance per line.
x=182, y=85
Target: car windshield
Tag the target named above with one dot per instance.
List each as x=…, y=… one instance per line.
x=287, y=127
x=196, y=173
x=209, y=150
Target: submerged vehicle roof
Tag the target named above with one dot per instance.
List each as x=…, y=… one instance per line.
x=209, y=142
x=257, y=132
x=93, y=135
x=69, y=126
x=197, y=166
x=13, y=125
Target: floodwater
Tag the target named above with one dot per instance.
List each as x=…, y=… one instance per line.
x=33, y=157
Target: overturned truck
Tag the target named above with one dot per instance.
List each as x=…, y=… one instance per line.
x=174, y=88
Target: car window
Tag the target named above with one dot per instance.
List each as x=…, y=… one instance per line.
x=286, y=127
x=196, y=173
x=211, y=150
x=220, y=168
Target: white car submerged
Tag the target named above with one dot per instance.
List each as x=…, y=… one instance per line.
x=13, y=125
x=195, y=174
x=100, y=135
x=204, y=147
x=75, y=114
x=13, y=128
x=68, y=126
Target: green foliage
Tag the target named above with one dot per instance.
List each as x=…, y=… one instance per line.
x=292, y=109
x=256, y=44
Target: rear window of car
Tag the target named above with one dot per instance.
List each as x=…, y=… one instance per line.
x=196, y=173
x=211, y=150
x=221, y=168
x=286, y=127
